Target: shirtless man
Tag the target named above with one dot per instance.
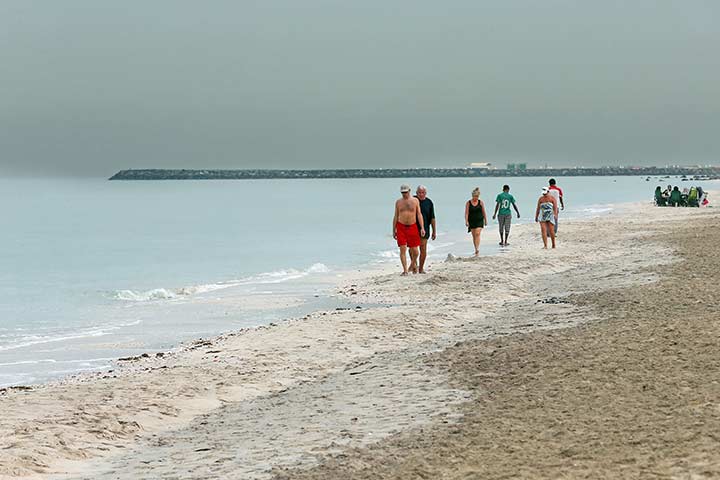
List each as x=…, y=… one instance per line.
x=405, y=228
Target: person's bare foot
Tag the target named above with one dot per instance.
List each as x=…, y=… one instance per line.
x=414, y=269
x=404, y=274
x=477, y=252
x=507, y=244
x=421, y=271
x=501, y=244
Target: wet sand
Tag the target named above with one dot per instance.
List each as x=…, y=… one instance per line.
x=634, y=394
x=595, y=360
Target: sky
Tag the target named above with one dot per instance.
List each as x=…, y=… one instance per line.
x=88, y=88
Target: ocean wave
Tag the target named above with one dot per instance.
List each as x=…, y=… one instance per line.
x=596, y=210
x=435, y=246
x=155, y=294
x=394, y=254
x=38, y=340
x=83, y=362
x=318, y=268
x=97, y=331
x=590, y=210
x=278, y=276
x=27, y=362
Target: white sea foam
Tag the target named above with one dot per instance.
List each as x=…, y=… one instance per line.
x=388, y=254
x=318, y=268
x=394, y=254
x=28, y=362
x=37, y=340
x=155, y=294
x=591, y=210
x=596, y=210
x=435, y=246
x=278, y=276
x=85, y=361
x=30, y=340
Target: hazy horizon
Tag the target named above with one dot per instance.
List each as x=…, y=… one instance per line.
x=92, y=88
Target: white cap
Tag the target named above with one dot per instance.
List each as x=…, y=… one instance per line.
x=404, y=188
x=545, y=190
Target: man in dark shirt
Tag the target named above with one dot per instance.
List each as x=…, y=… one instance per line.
x=427, y=209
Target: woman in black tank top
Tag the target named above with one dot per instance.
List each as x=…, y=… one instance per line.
x=475, y=218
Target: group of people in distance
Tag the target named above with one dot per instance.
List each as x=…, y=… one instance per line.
x=414, y=220
x=673, y=197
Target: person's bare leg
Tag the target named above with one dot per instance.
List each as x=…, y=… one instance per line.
x=552, y=234
x=543, y=231
x=423, y=254
x=476, y=239
x=403, y=258
x=414, y=254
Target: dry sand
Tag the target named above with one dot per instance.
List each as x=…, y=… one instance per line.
x=595, y=360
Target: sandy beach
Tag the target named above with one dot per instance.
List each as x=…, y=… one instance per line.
x=595, y=360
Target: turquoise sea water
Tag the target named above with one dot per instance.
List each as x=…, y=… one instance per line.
x=91, y=270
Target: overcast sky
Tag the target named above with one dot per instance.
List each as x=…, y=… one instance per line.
x=89, y=87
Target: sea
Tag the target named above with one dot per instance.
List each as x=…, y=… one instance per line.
x=92, y=270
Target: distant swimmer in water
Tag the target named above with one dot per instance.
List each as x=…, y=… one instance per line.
x=405, y=228
x=428, y=214
x=475, y=218
x=546, y=213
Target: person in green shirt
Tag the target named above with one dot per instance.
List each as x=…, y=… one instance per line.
x=675, y=197
x=503, y=213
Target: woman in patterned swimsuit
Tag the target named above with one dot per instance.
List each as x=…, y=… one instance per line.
x=545, y=214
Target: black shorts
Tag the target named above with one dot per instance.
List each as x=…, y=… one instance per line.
x=476, y=225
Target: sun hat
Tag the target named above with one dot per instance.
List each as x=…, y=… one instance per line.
x=404, y=188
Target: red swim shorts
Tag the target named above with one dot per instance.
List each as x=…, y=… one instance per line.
x=408, y=235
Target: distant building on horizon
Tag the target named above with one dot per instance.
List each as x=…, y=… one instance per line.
x=486, y=165
x=517, y=166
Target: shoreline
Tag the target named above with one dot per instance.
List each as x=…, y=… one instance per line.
x=250, y=365
x=86, y=323
x=338, y=286
x=291, y=300
x=287, y=302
